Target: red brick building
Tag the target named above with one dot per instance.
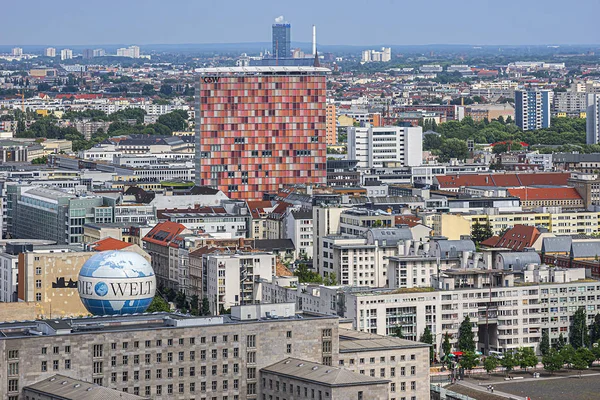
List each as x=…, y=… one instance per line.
x=260, y=128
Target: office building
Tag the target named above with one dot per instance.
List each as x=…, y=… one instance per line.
x=270, y=136
x=131, y=51
x=384, y=55
x=592, y=129
x=35, y=212
x=99, y=53
x=66, y=54
x=532, y=109
x=50, y=52
x=17, y=52
x=331, y=125
x=392, y=146
x=171, y=355
x=62, y=387
x=88, y=53
x=282, y=41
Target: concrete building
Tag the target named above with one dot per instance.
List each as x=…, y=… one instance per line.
x=385, y=146
x=50, y=52
x=9, y=271
x=66, y=54
x=302, y=379
x=532, y=109
x=593, y=119
x=385, y=55
x=229, y=278
x=285, y=145
x=281, y=40
x=570, y=102
x=326, y=221
x=62, y=387
x=299, y=228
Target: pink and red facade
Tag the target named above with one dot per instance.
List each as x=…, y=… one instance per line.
x=260, y=128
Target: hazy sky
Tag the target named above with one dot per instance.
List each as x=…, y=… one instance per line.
x=358, y=22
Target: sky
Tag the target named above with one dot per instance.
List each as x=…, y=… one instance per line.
x=339, y=22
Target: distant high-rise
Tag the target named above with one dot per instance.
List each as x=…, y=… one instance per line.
x=50, y=52
x=532, y=109
x=131, y=51
x=260, y=128
x=593, y=119
x=17, y=52
x=88, y=53
x=282, y=40
x=66, y=54
x=99, y=53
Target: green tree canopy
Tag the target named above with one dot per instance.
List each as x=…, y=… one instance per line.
x=545, y=343
x=509, y=361
x=453, y=148
x=490, y=364
x=595, y=329
x=526, y=357
x=583, y=358
x=568, y=354
x=158, y=305
x=427, y=337
x=446, y=345
x=175, y=121
x=579, y=333
x=469, y=360
x=480, y=232
x=466, y=339
x=553, y=361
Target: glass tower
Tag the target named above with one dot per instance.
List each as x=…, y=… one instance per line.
x=282, y=40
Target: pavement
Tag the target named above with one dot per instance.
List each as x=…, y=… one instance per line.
x=483, y=388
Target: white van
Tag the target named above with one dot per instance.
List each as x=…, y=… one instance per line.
x=496, y=354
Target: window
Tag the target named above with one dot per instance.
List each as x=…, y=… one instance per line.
x=55, y=350
x=113, y=377
x=181, y=387
x=360, y=395
x=192, y=387
x=98, y=350
x=125, y=376
x=159, y=374
x=192, y=371
x=147, y=374
x=288, y=334
x=136, y=375
x=181, y=356
x=169, y=372
x=44, y=350
x=159, y=357
x=192, y=355
x=55, y=365
x=214, y=354
x=67, y=349
x=413, y=370
x=98, y=367
x=159, y=390
x=13, y=385
x=251, y=373
x=288, y=348
x=44, y=366
x=251, y=341
x=13, y=354
x=181, y=372
x=251, y=357
x=13, y=369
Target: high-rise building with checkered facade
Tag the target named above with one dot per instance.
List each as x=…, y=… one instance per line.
x=260, y=128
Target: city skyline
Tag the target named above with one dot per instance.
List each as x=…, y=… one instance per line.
x=397, y=23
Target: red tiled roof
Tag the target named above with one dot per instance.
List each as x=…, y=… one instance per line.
x=109, y=244
x=503, y=180
x=532, y=194
x=491, y=242
x=519, y=237
x=163, y=233
x=409, y=220
x=257, y=207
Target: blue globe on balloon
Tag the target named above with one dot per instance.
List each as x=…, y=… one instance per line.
x=116, y=283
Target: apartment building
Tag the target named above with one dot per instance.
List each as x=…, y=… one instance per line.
x=331, y=125
x=379, y=146
x=593, y=119
x=363, y=260
x=532, y=109
x=453, y=226
x=229, y=277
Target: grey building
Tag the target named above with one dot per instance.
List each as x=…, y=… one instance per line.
x=35, y=212
x=167, y=355
x=282, y=40
x=299, y=379
x=61, y=387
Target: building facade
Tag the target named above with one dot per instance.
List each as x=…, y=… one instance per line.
x=390, y=145
x=593, y=119
x=331, y=122
x=532, y=109
x=260, y=128
x=282, y=37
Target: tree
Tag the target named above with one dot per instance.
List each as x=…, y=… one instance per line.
x=181, y=301
x=454, y=148
x=480, y=232
x=167, y=90
x=330, y=280
x=560, y=342
x=148, y=90
x=40, y=160
x=579, y=334
x=158, y=305
x=427, y=337
x=545, y=343
x=397, y=332
x=509, y=361
x=583, y=358
x=526, y=357
x=595, y=329
x=552, y=361
x=568, y=354
x=176, y=120
x=307, y=276
x=205, y=308
x=432, y=142
x=490, y=364
x=469, y=360
x=466, y=340
x=446, y=345
x=194, y=300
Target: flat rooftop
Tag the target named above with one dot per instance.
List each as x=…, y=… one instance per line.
x=131, y=322
x=356, y=341
x=262, y=70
